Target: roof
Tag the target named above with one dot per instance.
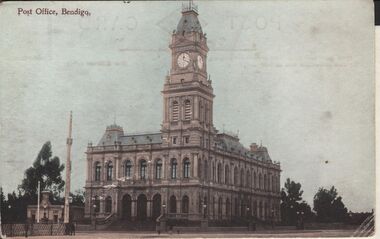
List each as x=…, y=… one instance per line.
x=115, y=133
x=231, y=144
x=152, y=138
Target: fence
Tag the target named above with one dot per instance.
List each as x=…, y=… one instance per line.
x=41, y=229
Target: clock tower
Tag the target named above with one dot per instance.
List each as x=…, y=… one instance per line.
x=188, y=94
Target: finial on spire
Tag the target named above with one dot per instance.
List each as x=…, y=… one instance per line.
x=189, y=7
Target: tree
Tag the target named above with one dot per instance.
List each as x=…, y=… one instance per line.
x=47, y=170
x=291, y=203
x=78, y=198
x=328, y=206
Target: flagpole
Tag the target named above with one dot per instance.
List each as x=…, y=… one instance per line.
x=68, y=172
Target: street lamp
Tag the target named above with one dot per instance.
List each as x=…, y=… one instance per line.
x=94, y=206
x=204, y=210
x=302, y=226
x=45, y=219
x=163, y=209
x=63, y=212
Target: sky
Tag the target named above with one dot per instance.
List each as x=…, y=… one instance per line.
x=297, y=76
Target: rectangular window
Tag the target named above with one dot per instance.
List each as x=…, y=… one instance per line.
x=174, y=140
x=186, y=139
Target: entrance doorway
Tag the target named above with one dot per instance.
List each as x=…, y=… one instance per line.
x=141, y=207
x=156, y=210
x=127, y=207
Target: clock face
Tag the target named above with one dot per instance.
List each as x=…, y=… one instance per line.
x=200, y=62
x=183, y=60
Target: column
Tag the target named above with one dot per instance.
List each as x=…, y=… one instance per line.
x=88, y=176
x=135, y=169
x=102, y=205
x=149, y=208
x=115, y=208
x=164, y=159
x=117, y=168
x=196, y=108
x=195, y=168
x=134, y=209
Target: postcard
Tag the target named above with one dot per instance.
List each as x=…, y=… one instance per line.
x=131, y=119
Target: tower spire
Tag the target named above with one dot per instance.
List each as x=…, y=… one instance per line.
x=69, y=142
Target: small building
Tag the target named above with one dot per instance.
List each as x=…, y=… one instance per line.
x=52, y=213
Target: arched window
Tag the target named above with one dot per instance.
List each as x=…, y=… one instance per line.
x=236, y=207
x=173, y=204
x=241, y=177
x=109, y=171
x=173, y=165
x=128, y=169
x=271, y=188
x=175, y=111
x=200, y=108
x=206, y=170
x=143, y=169
x=219, y=172
x=236, y=177
x=226, y=175
x=187, y=110
x=108, y=208
x=254, y=209
x=265, y=182
x=185, y=204
x=213, y=172
x=186, y=168
x=220, y=207
x=98, y=169
x=228, y=208
x=206, y=113
x=248, y=181
x=158, y=169
x=260, y=212
x=213, y=207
